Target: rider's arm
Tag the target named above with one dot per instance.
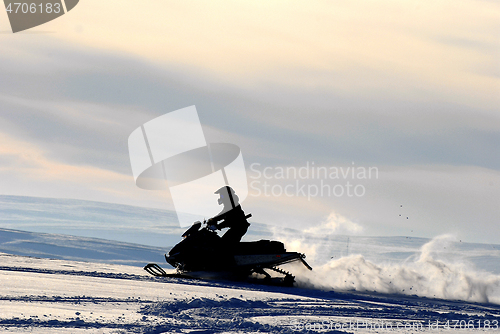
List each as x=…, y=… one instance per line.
x=224, y=224
x=216, y=219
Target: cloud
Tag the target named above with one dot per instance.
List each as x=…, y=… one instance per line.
x=81, y=101
x=349, y=47
x=25, y=170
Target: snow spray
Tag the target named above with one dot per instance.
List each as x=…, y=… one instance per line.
x=425, y=275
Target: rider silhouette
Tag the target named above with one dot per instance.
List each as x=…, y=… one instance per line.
x=232, y=216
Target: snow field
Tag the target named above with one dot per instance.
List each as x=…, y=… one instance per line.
x=60, y=296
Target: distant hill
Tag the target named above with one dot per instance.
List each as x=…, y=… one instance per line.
x=65, y=247
x=124, y=223
x=152, y=227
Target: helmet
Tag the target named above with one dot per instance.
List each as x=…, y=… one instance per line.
x=225, y=190
x=227, y=196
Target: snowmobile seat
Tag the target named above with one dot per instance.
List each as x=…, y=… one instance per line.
x=260, y=247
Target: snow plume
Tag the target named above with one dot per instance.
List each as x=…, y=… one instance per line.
x=294, y=243
x=425, y=275
x=307, y=241
x=336, y=224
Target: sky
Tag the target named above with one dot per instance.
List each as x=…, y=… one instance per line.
x=408, y=89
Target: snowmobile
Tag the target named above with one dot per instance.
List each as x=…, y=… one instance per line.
x=202, y=254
